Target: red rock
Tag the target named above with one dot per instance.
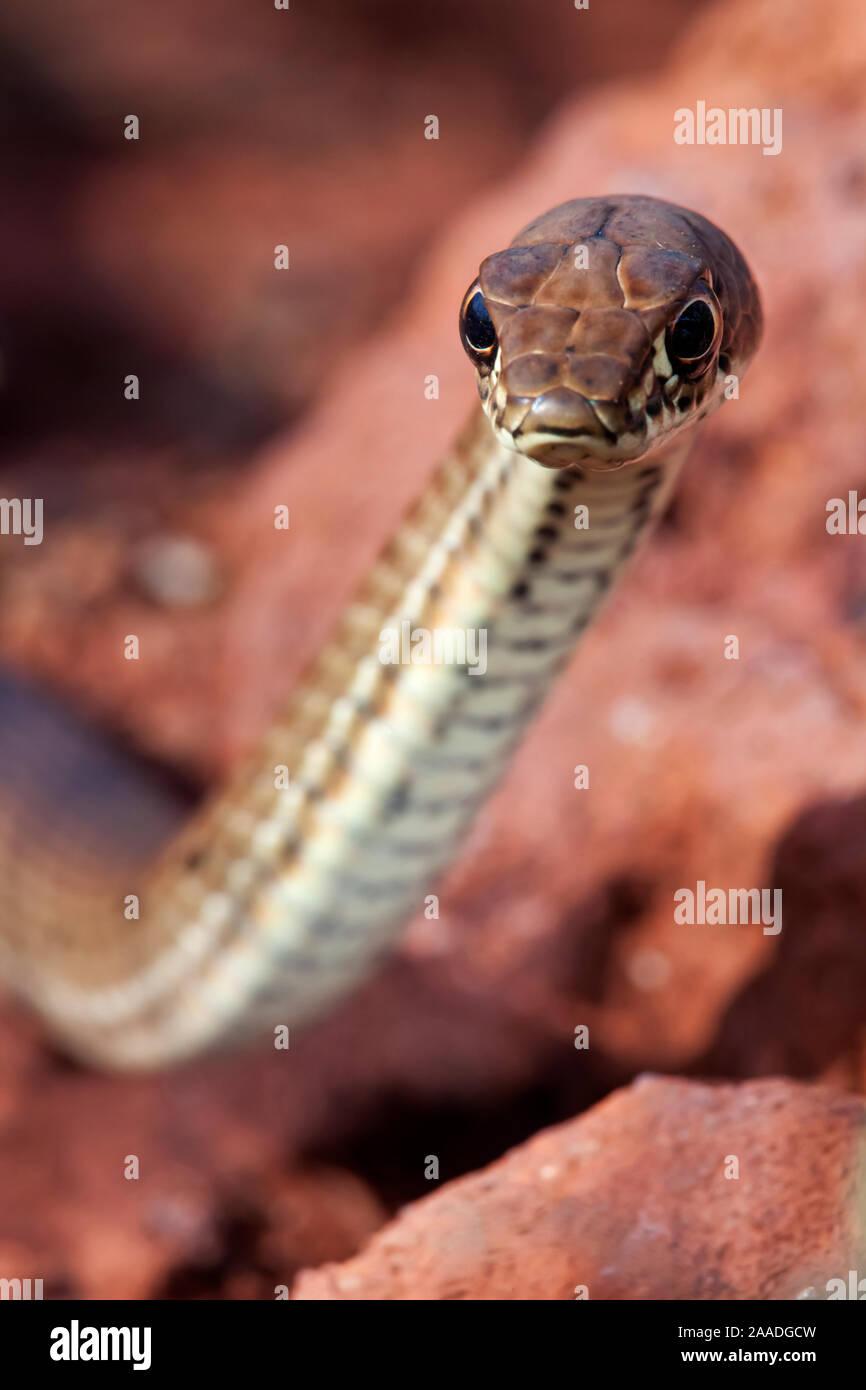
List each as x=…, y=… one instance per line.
x=210, y=1210
x=632, y=1201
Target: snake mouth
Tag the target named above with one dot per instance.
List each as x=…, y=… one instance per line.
x=560, y=426
x=574, y=450
x=554, y=451
x=563, y=428
x=577, y=432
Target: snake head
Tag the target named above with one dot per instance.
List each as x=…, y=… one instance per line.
x=608, y=325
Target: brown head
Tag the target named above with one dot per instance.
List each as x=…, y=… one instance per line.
x=607, y=325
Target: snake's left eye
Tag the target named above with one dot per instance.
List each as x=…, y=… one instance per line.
x=476, y=326
x=692, y=337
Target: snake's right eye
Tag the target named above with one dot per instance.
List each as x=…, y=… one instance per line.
x=692, y=338
x=476, y=326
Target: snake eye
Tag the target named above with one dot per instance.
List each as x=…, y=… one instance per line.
x=476, y=326
x=692, y=337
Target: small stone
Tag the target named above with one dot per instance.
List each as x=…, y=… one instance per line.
x=177, y=572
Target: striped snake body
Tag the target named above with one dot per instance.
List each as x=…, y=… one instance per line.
x=600, y=338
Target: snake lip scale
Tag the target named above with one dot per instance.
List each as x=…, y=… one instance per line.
x=601, y=337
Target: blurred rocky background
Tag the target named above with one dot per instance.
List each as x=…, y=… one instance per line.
x=258, y=387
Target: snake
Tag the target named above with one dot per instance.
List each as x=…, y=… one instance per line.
x=601, y=337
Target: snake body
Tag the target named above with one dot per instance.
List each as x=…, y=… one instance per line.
x=601, y=337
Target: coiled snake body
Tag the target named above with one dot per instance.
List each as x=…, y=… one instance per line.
x=600, y=338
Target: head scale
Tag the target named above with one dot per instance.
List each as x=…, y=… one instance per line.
x=608, y=325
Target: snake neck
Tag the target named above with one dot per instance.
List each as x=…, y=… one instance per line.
x=288, y=886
